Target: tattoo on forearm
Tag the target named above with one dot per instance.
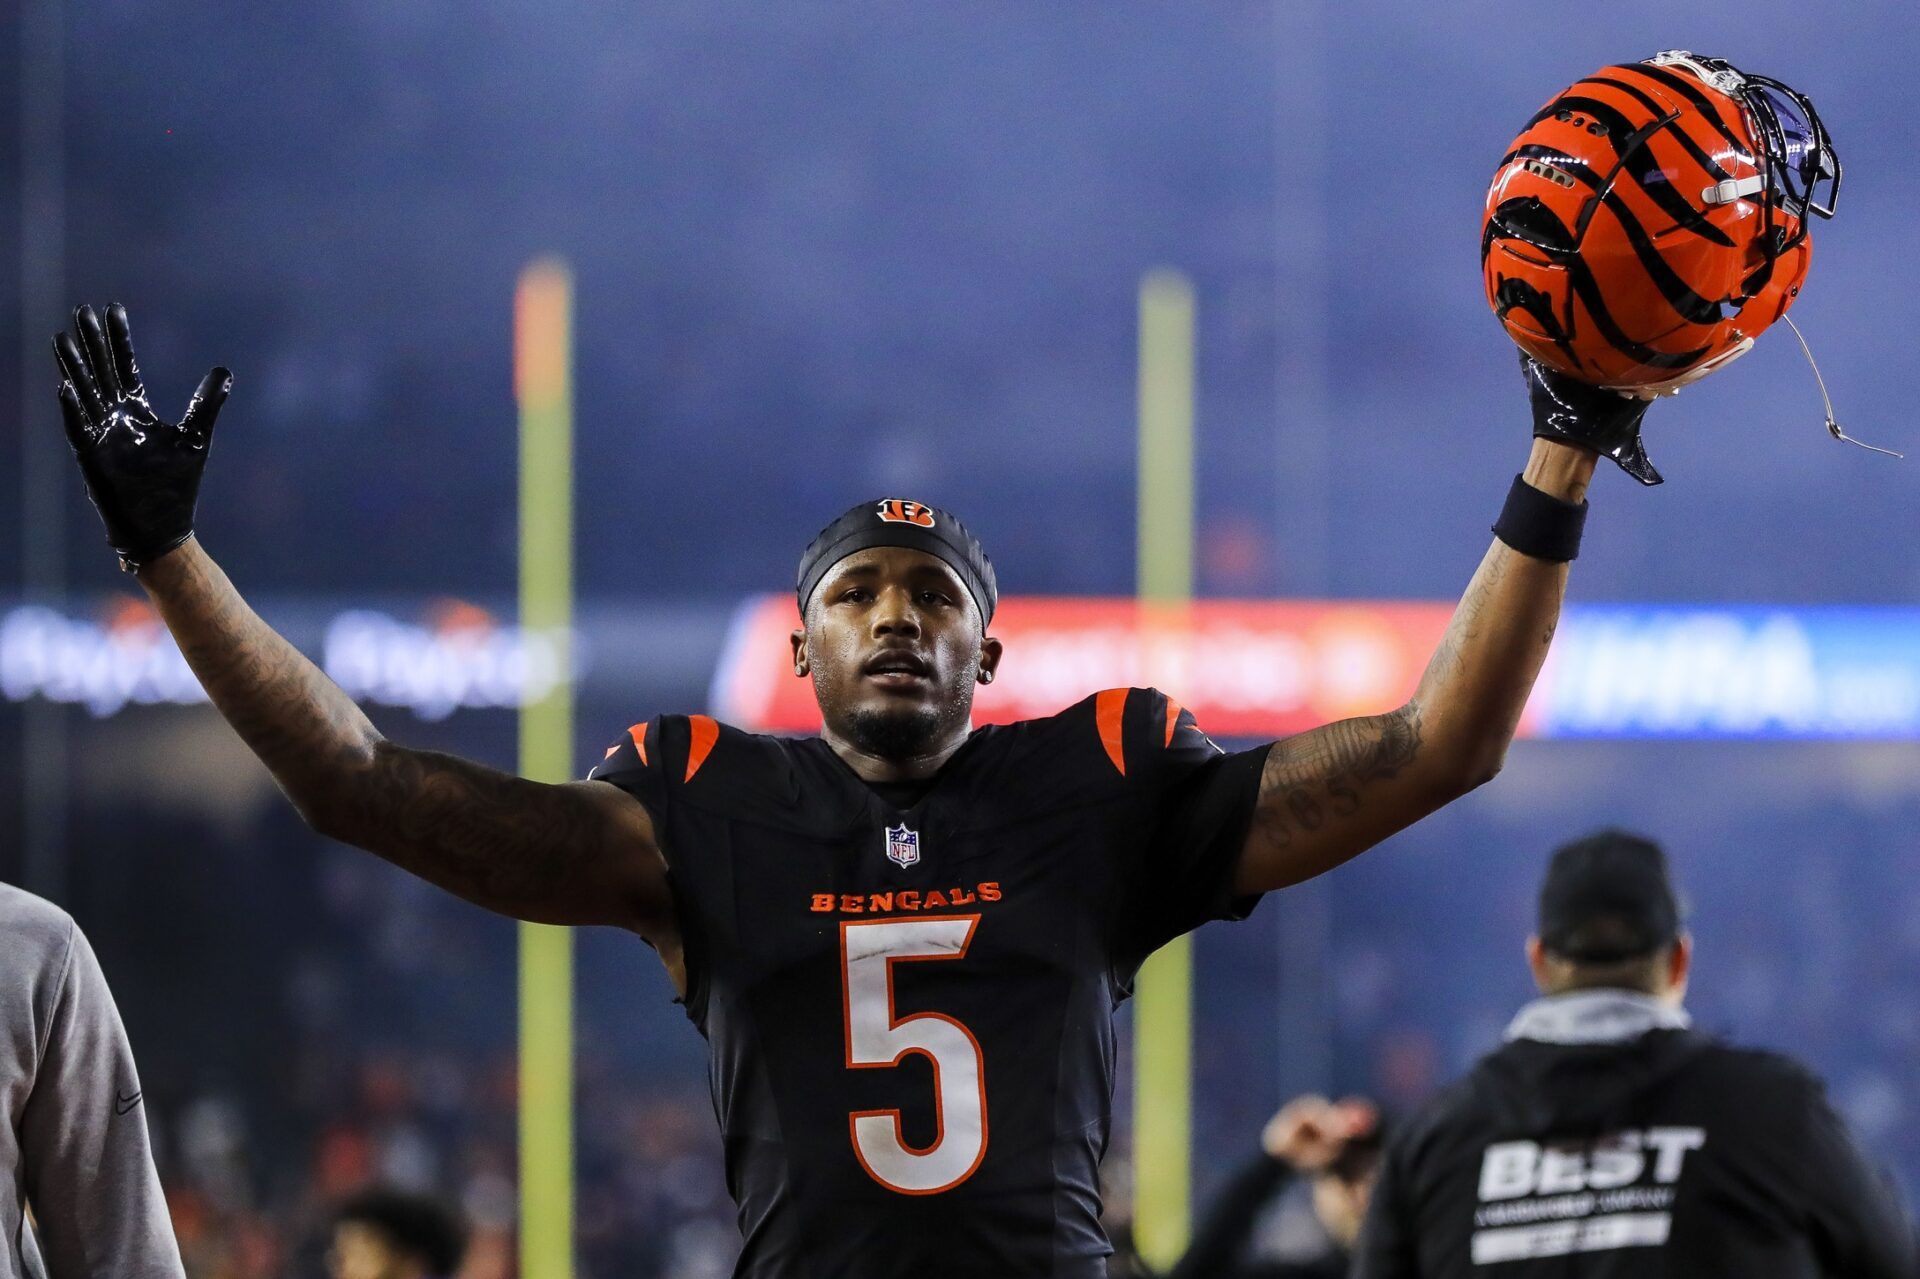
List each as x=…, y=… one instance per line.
x=295, y=719
x=1330, y=793
x=500, y=841
x=1324, y=774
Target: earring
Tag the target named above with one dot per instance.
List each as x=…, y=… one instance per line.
x=986, y=677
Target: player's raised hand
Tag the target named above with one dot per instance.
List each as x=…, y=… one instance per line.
x=142, y=472
x=1591, y=417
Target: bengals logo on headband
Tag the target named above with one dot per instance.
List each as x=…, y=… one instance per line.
x=896, y=511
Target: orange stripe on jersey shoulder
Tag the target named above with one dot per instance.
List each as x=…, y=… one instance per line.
x=1109, y=707
x=639, y=735
x=1173, y=720
x=705, y=733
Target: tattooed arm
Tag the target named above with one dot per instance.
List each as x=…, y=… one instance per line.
x=1334, y=792
x=581, y=853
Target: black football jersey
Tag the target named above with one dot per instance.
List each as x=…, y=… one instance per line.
x=910, y=1010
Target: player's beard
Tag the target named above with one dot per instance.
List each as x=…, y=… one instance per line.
x=913, y=731
x=896, y=732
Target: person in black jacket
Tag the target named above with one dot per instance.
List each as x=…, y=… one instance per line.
x=1608, y=1138
x=1337, y=1144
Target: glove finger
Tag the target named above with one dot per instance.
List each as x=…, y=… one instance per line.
x=74, y=419
x=87, y=321
x=74, y=371
x=205, y=406
x=1633, y=459
x=120, y=342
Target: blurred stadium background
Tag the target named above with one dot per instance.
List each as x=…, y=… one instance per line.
x=833, y=249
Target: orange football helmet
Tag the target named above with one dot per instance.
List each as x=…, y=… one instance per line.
x=1651, y=221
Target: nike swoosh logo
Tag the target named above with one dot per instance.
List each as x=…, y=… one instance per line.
x=123, y=1104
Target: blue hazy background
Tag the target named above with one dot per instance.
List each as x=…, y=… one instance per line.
x=825, y=250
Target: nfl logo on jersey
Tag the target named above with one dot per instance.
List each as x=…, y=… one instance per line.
x=903, y=845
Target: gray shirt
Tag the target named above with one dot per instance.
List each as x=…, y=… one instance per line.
x=75, y=1145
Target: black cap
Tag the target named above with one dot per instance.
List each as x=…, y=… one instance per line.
x=895, y=521
x=1608, y=897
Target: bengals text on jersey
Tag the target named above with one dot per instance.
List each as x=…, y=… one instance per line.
x=910, y=1009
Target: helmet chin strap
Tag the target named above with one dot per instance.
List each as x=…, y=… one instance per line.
x=1672, y=387
x=1833, y=426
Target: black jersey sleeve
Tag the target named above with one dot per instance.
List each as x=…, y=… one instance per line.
x=629, y=763
x=653, y=761
x=1197, y=803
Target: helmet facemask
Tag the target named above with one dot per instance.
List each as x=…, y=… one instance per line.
x=1797, y=156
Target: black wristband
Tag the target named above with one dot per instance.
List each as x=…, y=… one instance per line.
x=1539, y=524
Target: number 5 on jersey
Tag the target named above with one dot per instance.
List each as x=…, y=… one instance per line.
x=877, y=1040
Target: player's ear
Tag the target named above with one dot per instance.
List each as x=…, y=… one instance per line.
x=990, y=649
x=1679, y=964
x=1537, y=961
x=799, y=641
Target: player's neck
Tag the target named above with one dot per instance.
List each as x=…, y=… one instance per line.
x=878, y=768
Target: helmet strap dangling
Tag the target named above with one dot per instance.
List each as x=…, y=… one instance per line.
x=1833, y=426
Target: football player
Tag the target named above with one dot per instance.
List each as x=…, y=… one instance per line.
x=904, y=939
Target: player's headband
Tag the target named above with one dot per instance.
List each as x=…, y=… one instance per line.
x=895, y=522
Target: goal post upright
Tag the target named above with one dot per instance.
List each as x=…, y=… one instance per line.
x=1163, y=993
x=543, y=387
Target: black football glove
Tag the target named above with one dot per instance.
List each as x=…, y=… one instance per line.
x=142, y=473
x=1603, y=421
